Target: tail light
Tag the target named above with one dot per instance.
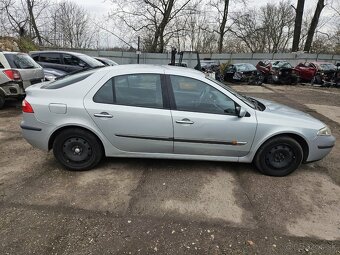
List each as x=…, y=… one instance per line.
x=12, y=74
x=26, y=107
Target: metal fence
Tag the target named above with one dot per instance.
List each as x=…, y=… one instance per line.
x=164, y=58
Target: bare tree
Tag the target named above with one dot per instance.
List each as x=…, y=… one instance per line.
x=298, y=24
x=313, y=25
x=22, y=17
x=151, y=17
x=71, y=26
x=266, y=30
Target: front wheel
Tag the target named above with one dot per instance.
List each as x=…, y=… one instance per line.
x=279, y=156
x=77, y=149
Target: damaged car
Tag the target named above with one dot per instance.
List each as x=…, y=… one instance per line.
x=17, y=72
x=278, y=72
x=243, y=72
x=321, y=73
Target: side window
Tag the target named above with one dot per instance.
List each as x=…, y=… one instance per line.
x=105, y=94
x=35, y=57
x=196, y=96
x=141, y=90
x=1, y=66
x=53, y=58
x=73, y=61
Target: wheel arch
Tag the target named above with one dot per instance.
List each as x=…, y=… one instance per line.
x=301, y=140
x=59, y=130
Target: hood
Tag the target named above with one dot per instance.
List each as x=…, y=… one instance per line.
x=274, y=107
x=282, y=112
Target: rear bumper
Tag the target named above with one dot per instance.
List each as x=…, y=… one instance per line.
x=12, y=90
x=35, y=132
x=321, y=146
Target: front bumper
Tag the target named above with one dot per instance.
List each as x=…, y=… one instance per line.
x=320, y=147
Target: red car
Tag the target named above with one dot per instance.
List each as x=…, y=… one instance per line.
x=317, y=72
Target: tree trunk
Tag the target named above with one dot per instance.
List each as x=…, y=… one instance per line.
x=222, y=26
x=32, y=20
x=298, y=24
x=313, y=25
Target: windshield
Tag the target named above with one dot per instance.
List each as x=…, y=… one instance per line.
x=327, y=67
x=232, y=91
x=91, y=61
x=282, y=64
x=245, y=67
x=21, y=61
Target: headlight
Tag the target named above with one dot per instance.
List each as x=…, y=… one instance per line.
x=325, y=131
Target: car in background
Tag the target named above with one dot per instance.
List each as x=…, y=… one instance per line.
x=278, y=71
x=17, y=72
x=208, y=65
x=65, y=61
x=243, y=72
x=149, y=111
x=53, y=74
x=106, y=61
x=317, y=72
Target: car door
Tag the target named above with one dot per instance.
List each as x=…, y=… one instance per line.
x=133, y=113
x=205, y=120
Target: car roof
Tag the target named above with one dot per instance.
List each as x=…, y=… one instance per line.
x=58, y=51
x=145, y=68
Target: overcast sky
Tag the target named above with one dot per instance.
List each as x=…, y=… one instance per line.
x=101, y=7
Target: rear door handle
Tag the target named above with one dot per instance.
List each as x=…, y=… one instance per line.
x=103, y=115
x=185, y=121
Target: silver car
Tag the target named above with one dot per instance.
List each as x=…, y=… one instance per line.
x=166, y=112
x=17, y=72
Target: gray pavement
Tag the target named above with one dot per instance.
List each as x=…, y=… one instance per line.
x=145, y=206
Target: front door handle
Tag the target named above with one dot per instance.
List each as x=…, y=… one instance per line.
x=185, y=121
x=103, y=115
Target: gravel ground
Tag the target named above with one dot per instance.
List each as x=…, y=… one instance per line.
x=138, y=206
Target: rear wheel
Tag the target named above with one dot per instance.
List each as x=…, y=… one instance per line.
x=279, y=156
x=77, y=149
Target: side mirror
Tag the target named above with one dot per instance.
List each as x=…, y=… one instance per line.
x=241, y=112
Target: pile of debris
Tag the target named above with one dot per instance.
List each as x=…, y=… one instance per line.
x=8, y=44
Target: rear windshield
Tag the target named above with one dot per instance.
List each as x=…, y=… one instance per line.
x=68, y=80
x=21, y=61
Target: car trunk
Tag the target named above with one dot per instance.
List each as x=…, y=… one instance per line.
x=31, y=76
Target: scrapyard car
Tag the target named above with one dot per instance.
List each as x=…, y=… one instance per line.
x=17, y=72
x=321, y=73
x=148, y=111
x=278, y=71
x=243, y=72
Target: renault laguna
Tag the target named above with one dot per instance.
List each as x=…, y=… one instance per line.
x=147, y=111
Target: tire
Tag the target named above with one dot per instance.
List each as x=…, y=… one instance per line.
x=279, y=156
x=69, y=147
x=2, y=100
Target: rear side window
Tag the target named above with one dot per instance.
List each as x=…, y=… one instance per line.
x=68, y=80
x=53, y=58
x=1, y=66
x=21, y=61
x=141, y=90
